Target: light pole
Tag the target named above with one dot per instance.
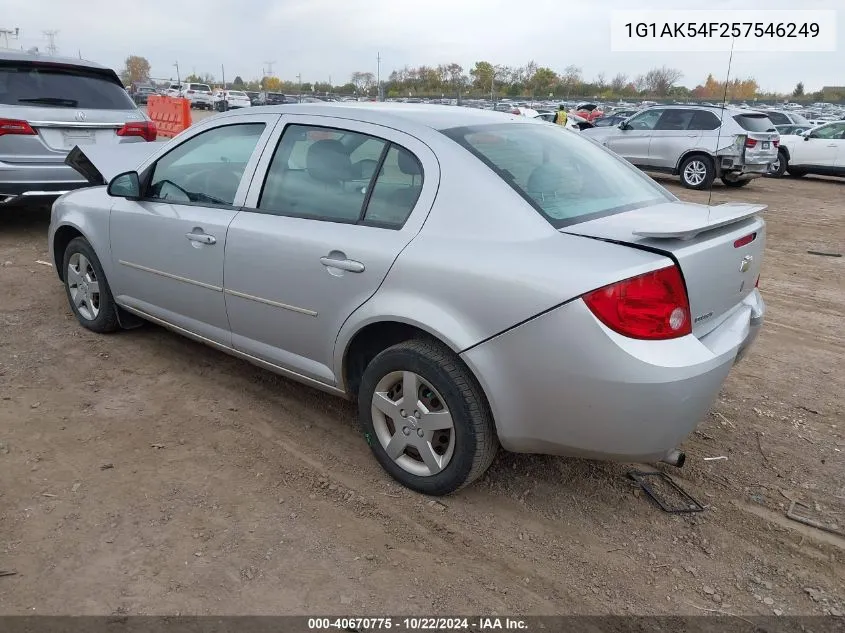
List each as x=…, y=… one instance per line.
x=299, y=86
x=378, y=76
x=178, y=78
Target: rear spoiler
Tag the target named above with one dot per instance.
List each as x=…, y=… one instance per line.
x=687, y=227
x=100, y=163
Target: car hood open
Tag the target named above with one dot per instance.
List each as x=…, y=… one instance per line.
x=99, y=164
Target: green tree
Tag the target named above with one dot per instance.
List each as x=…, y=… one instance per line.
x=543, y=80
x=483, y=75
x=238, y=83
x=135, y=69
x=799, y=89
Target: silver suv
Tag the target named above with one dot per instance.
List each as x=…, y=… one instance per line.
x=48, y=105
x=698, y=143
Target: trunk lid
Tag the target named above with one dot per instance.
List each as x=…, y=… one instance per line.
x=719, y=249
x=100, y=164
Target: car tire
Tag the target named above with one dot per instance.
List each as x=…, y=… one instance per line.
x=778, y=169
x=95, y=309
x=736, y=184
x=795, y=172
x=697, y=172
x=448, y=458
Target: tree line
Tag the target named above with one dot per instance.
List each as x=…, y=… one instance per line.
x=486, y=79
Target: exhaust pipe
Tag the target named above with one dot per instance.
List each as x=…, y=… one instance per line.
x=675, y=458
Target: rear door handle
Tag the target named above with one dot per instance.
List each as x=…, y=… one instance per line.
x=202, y=238
x=349, y=265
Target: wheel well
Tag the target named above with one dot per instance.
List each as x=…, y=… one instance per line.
x=785, y=151
x=369, y=342
x=693, y=153
x=63, y=236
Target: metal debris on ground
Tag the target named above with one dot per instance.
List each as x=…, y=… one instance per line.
x=43, y=263
x=4, y=572
x=664, y=491
x=803, y=513
x=714, y=459
x=823, y=254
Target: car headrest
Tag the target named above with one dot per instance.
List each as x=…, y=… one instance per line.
x=408, y=165
x=546, y=178
x=327, y=161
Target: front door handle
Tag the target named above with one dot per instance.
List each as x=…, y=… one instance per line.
x=349, y=265
x=202, y=238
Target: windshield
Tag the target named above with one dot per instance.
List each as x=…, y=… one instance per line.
x=564, y=176
x=59, y=86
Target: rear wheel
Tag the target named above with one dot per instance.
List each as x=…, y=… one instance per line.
x=697, y=172
x=779, y=167
x=425, y=417
x=87, y=290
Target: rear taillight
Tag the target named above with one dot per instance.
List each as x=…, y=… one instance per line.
x=514, y=111
x=146, y=129
x=745, y=240
x=750, y=142
x=775, y=143
x=15, y=126
x=757, y=283
x=652, y=306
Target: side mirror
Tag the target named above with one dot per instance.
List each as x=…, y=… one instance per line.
x=624, y=126
x=126, y=185
x=807, y=136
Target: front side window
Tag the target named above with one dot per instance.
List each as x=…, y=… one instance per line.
x=832, y=131
x=565, y=177
x=341, y=176
x=207, y=168
x=645, y=121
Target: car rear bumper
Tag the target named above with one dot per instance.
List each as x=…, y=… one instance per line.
x=565, y=384
x=12, y=192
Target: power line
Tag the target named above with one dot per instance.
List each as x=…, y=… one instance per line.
x=5, y=34
x=52, y=49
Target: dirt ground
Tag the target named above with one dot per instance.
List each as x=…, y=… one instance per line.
x=141, y=473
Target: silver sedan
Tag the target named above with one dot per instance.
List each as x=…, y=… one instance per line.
x=472, y=279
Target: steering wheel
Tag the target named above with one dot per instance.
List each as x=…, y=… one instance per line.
x=216, y=179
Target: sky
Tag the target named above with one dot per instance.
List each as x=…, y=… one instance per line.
x=322, y=39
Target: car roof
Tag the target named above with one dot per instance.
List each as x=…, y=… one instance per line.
x=436, y=117
x=24, y=56
x=728, y=109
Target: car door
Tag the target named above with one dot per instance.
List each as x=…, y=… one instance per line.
x=820, y=147
x=633, y=141
x=332, y=205
x=671, y=137
x=167, y=247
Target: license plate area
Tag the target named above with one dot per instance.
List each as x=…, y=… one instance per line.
x=72, y=138
x=765, y=144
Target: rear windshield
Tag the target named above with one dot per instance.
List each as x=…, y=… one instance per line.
x=755, y=122
x=200, y=87
x=51, y=86
x=237, y=93
x=564, y=176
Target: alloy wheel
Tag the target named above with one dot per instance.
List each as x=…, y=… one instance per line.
x=84, y=287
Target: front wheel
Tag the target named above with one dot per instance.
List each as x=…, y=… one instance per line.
x=87, y=290
x=697, y=172
x=425, y=417
x=734, y=183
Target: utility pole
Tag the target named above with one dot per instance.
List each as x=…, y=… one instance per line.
x=299, y=84
x=378, y=76
x=269, y=67
x=223, y=72
x=6, y=33
x=52, y=49
x=178, y=78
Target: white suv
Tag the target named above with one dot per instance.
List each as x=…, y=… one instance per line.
x=199, y=95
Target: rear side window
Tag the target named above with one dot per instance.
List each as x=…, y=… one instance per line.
x=754, y=122
x=778, y=118
x=341, y=176
x=28, y=84
x=704, y=120
x=674, y=120
x=564, y=176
